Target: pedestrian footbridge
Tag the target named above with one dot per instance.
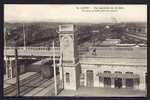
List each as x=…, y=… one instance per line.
x=31, y=51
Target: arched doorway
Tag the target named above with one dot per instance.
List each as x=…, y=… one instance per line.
x=118, y=80
x=107, y=80
x=129, y=81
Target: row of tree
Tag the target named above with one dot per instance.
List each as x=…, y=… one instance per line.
x=42, y=34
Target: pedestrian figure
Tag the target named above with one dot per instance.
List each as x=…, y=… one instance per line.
x=94, y=51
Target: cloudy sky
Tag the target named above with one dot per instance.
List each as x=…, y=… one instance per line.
x=71, y=13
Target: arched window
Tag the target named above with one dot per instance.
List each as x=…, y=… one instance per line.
x=107, y=71
x=118, y=72
x=129, y=72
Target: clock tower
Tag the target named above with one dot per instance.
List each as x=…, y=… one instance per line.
x=70, y=59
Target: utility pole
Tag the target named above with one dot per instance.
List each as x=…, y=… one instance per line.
x=24, y=35
x=61, y=67
x=54, y=66
x=17, y=70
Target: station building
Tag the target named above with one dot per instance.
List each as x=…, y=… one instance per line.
x=109, y=67
x=115, y=67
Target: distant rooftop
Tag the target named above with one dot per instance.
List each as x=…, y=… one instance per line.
x=111, y=41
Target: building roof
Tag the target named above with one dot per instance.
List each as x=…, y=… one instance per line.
x=118, y=52
x=113, y=61
x=116, y=55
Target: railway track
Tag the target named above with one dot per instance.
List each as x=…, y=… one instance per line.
x=33, y=85
x=12, y=88
x=40, y=89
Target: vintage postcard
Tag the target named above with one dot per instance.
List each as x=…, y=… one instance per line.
x=75, y=50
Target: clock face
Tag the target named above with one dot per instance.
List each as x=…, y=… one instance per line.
x=66, y=42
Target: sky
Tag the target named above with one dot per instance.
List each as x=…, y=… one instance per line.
x=73, y=13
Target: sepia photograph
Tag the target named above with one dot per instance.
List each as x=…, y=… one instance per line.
x=75, y=50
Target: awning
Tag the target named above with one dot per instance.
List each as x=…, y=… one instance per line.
x=114, y=75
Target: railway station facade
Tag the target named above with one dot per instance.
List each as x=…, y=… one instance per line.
x=110, y=67
x=114, y=75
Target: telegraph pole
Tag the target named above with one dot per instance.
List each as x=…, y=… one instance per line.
x=17, y=70
x=61, y=69
x=54, y=66
x=61, y=65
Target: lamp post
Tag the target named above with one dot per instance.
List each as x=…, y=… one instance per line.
x=17, y=69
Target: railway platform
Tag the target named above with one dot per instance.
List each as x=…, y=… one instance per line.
x=103, y=92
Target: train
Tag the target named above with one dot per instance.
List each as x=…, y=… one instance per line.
x=46, y=69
